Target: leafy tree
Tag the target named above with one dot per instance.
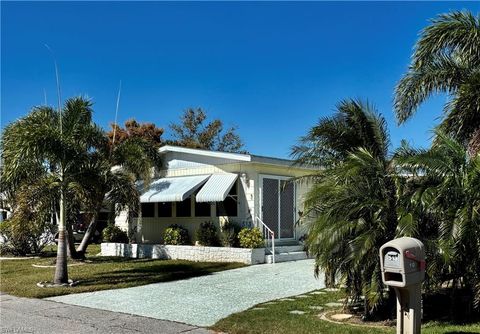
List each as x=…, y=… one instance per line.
x=352, y=206
x=47, y=148
x=146, y=131
x=446, y=186
x=446, y=59
x=193, y=131
x=135, y=150
x=69, y=159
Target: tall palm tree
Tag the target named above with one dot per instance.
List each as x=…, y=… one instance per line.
x=48, y=145
x=100, y=173
x=449, y=191
x=446, y=59
x=352, y=203
x=113, y=173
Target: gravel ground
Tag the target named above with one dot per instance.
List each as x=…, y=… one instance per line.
x=202, y=301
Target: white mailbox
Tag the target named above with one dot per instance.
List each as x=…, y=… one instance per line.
x=402, y=262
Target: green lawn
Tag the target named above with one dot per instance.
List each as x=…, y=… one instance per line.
x=276, y=318
x=19, y=277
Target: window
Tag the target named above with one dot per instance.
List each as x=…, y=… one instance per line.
x=202, y=209
x=148, y=210
x=229, y=206
x=165, y=209
x=184, y=208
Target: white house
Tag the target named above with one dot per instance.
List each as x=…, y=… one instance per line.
x=198, y=185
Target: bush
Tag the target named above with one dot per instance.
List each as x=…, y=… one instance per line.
x=25, y=234
x=229, y=235
x=175, y=235
x=113, y=233
x=206, y=235
x=251, y=238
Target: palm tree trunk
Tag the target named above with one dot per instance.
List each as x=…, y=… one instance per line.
x=88, y=235
x=71, y=251
x=474, y=144
x=61, y=272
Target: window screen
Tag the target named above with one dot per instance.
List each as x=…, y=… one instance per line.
x=165, y=209
x=148, y=209
x=202, y=209
x=184, y=208
x=229, y=206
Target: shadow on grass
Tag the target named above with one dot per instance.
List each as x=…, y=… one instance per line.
x=147, y=271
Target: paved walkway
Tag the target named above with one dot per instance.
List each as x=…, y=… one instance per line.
x=23, y=315
x=202, y=301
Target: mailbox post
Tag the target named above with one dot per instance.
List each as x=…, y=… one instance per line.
x=402, y=263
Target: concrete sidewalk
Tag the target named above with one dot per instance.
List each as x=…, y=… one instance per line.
x=202, y=301
x=24, y=315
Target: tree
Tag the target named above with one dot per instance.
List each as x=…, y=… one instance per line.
x=446, y=186
x=352, y=206
x=47, y=146
x=146, y=131
x=74, y=161
x=193, y=131
x=135, y=150
x=446, y=59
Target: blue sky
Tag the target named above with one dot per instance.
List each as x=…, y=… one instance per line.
x=271, y=68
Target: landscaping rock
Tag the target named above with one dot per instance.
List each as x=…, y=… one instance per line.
x=341, y=316
x=297, y=312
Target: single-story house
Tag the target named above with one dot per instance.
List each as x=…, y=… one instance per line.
x=199, y=185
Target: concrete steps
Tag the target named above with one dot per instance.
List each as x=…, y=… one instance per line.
x=286, y=253
x=284, y=257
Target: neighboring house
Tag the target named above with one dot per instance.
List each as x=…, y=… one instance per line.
x=200, y=185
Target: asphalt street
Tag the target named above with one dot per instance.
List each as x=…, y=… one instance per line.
x=24, y=315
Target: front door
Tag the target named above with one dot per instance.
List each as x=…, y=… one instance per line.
x=278, y=206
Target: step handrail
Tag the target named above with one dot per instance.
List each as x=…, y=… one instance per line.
x=268, y=232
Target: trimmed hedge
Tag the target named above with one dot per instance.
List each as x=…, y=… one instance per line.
x=113, y=233
x=251, y=238
x=176, y=235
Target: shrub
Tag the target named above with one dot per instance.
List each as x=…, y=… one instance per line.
x=229, y=235
x=250, y=238
x=113, y=233
x=25, y=234
x=175, y=235
x=206, y=235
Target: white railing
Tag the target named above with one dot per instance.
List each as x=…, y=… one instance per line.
x=269, y=236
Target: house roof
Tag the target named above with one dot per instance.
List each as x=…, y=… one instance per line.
x=227, y=155
x=207, y=153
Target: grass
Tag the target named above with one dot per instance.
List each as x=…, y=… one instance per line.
x=276, y=318
x=19, y=277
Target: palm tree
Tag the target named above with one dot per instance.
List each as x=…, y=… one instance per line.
x=449, y=191
x=446, y=59
x=46, y=146
x=137, y=156
x=352, y=203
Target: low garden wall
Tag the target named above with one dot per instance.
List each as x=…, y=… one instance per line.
x=191, y=253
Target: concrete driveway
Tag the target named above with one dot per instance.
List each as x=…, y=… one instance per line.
x=202, y=301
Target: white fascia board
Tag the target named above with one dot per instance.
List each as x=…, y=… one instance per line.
x=213, y=154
